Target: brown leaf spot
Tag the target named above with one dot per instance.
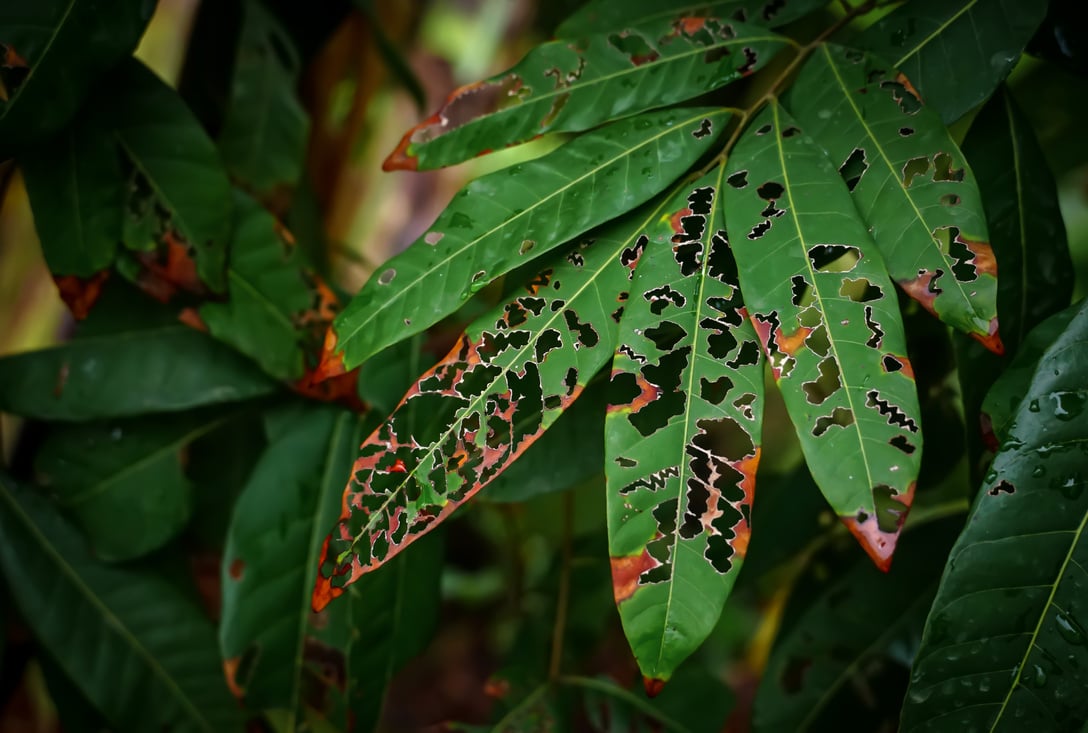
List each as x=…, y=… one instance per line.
x=230, y=672
x=653, y=686
x=80, y=294
x=626, y=572
x=237, y=568
x=191, y=318
x=169, y=269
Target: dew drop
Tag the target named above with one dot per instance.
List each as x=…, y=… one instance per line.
x=1038, y=677
x=1069, y=629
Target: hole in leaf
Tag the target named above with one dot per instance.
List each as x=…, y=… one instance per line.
x=1002, y=488
x=853, y=168
x=433, y=238
x=901, y=442
x=818, y=390
x=913, y=168
x=738, y=179
x=942, y=168
x=387, y=277
x=840, y=416
x=834, y=257
x=860, y=290
x=770, y=191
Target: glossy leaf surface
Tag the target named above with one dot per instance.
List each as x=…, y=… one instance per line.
x=682, y=434
x=1005, y=646
x=572, y=86
x=599, y=16
x=501, y=220
x=138, y=649
x=910, y=182
x=955, y=52
x=513, y=372
x=51, y=52
x=823, y=305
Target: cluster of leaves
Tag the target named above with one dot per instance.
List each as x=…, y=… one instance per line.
x=733, y=212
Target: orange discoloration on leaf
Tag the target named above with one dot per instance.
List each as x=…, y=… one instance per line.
x=230, y=672
x=12, y=59
x=794, y=341
x=342, y=388
x=324, y=591
x=80, y=294
x=922, y=290
x=237, y=568
x=743, y=529
x=626, y=572
x=331, y=363
x=169, y=270
x=984, y=261
x=902, y=79
x=191, y=318
x=647, y=394
x=991, y=339
x=878, y=544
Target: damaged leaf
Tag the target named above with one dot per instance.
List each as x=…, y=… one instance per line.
x=1005, y=645
x=825, y=311
x=569, y=86
x=502, y=220
x=910, y=182
x=598, y=16
x=682, y=433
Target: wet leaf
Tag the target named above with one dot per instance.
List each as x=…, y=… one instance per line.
x=92, y=617
x=682, y=434
x=508, y=378
x=133, y=468
x=501, y=220
x=599, y=16
x=955, y=52
x=569, y=86
x=51, y=53
x=910, y=182
x=263, y=139
x=1005, y=647
x=823, y=305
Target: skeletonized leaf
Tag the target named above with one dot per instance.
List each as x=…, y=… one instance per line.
x=140, y=651
x=955, y=52
x=910, y=182
x=512, y=373
x=826, y=312
x=1006, y=646
x=600, y=16
x=682, y=434
x=51, y=53
x=569, y=86
x=499, y=221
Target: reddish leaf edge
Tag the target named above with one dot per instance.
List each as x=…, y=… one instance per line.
x=878, y=544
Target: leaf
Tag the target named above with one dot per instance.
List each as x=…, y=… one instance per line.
x=51, y=53
x=955, y=53
x=842, y=633
x=264, y=134
x=569, y=86
x=823, y=305
x=139, y=650
x=508, y=378
x=133, y=468
x=266, y=313
x=682, y=434
x=179, y=191
x=499, y=221
x=600, y=16
x=1004, y=647
x=909, y=181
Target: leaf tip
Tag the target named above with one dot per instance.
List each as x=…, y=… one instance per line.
x=230, y=672
x=331, y=363
x=80, y=294
x=653, y=686
x=991, y=339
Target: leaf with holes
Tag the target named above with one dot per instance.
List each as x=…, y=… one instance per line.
x=600, y=16
x=569, y=86
x=910, y=182
x=500, y=221
x=823, y=305
x=1005, y=646
x=955, y=51
x=513, y=372
x=682, y=434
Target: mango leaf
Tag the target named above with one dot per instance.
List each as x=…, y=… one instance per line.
x=133, y=468
x=512, y=373
x=265, y=315
x=499, y=221
x=823, y=305
x=51, y=53
x=263, y=139
x=92, y=617
x=682, y=434
x=1005, y=645
x=179, y=191
x=572, y=86
x=955, y=52
x=856, y=623
x=910, y=182
x=600, y=16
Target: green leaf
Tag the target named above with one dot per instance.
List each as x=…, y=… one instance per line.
x=909, y=181
x=823, y=305
x=178, y=184
x=1005, y=646
x=133, y=468
x=682, y=434
x=139, y=650
x=600, y=16
x=499, y=221
x=52, y=52
x=565, y=86
x=264, y=316
x=76, y=191
x=849, y=627
x=265, y=129
x=508, y=378
x=955, y=52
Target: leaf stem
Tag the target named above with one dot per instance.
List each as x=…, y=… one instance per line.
x=559, y=630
